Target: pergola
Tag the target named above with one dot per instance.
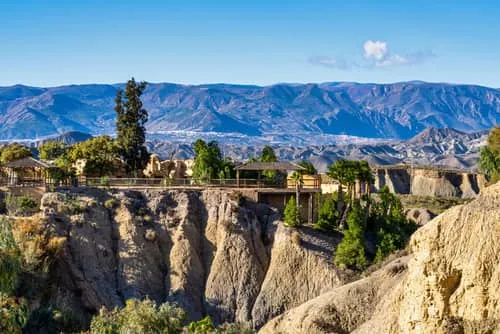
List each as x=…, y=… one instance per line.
x=27, y=171
x=259, y=167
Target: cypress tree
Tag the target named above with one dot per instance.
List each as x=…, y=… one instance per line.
x=130, y=126
x=292, y=215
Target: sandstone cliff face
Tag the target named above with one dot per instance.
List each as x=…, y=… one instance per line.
x=429, y=182
x=449, y=284
x=200, y=249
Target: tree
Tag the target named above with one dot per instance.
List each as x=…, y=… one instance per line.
x=365, y=176
x=297, y=177
x=51, y=150
x=14, y=152
x=328, y=217
x=268, y=155
x=351, y=251
x=207, y=160
x=292, y=214
x=101, y=155
x=388, y=221
x=309, y=168
x=130, y=126
x=338, y=171
x=489, y=162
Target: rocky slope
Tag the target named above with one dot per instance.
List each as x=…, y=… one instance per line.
x=450, y=283
x=207, y=251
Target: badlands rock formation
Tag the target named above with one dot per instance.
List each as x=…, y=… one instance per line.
x=207, y=251
x=429, y=182
x=450, y=283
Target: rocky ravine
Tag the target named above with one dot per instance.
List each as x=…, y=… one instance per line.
x=204, y=250
x=450, y=283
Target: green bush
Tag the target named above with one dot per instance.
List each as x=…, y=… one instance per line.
x=203, y=326
x=392, y=228
x=104, y=181
x=110, y=203
x=73, y=206
x=351, y=251
x=10, y=258
x=235, y=328
x=20, y=205
x=139, y=317
x=328, y=217
x=14, y=314
x=292, y=215
x=27, y=203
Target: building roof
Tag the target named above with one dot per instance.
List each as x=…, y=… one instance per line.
x=260, y=166
x=27, y=162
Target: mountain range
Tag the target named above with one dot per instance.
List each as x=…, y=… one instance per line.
x=306, y=114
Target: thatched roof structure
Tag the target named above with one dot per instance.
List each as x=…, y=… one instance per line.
x=27, y=162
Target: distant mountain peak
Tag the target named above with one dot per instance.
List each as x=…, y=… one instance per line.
x=397, y=111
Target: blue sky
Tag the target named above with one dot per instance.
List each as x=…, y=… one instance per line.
x=48, y=43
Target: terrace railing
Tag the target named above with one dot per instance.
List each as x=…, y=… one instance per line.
x=176, y=183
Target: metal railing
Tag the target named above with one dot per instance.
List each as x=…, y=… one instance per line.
x=176, y=183
x=22, y=182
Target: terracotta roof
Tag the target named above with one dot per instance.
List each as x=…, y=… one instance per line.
x=258, y=166
x=28, y=162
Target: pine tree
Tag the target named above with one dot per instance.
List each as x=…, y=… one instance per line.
x=292, y=215
x=351, y=251
x=328, y=216
x=130, y=126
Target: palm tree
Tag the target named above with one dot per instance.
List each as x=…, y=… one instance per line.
x=338, y=171
x=365, y=176
x=297, y=177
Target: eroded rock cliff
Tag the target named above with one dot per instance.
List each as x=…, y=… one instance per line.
x=208, y=251
x=450, y=283
x=429, y=182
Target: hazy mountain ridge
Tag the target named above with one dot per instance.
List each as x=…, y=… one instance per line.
x=399, y=110
x=438, y=147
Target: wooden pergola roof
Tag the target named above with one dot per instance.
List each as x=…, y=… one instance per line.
x=28, y=162
x=261, y=166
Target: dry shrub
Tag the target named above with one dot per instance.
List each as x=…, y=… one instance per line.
x=37, y=243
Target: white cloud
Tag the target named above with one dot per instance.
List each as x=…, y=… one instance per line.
x=376, y=55
x=377, y=50
x=332, y=62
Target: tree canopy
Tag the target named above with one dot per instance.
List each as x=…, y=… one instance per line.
x=101, y=155
x=309, y=168
x=209, y=163
x=14, y=152
x=51, y=150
